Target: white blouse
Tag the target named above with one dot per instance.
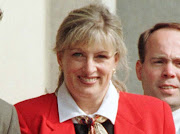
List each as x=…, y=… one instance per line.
x=68, y=108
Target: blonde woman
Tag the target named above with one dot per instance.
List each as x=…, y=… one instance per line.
x=89, y=99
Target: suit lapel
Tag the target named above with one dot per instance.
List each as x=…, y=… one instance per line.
x=127, y=118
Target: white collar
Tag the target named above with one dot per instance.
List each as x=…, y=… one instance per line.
x=176, y=117
x=176, y=111
x=68, y=108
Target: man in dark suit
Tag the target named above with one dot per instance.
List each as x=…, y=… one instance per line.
x=8, y=119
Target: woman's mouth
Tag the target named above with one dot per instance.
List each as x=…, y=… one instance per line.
x=88, y=80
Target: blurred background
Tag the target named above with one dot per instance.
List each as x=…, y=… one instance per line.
x=28, y=66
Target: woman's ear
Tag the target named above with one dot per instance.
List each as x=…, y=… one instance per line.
x=59, y=58
x=116, y=58
x=139, y=70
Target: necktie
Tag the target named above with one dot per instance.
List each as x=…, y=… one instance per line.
x=94, y=124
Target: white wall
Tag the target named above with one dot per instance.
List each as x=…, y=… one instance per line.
x=111, y=4
x=22, y=36
x=27, y=36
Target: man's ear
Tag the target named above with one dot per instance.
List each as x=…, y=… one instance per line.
x=139, y=70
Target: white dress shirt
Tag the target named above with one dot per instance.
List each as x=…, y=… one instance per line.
x=68, y=108
x=176, y=117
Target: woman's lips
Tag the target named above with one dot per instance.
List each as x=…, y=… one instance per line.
x=88, y=80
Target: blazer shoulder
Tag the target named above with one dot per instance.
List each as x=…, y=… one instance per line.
x=41, y=103
x=144, y=101
x=146, y=113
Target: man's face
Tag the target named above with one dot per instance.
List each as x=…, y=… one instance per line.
x=160, y=72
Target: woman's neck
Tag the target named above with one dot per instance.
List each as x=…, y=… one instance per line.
x=89, y=104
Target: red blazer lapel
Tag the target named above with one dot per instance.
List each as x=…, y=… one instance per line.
x=52, y=125
x=61, y=128
x=127, y=117
x=123, y=126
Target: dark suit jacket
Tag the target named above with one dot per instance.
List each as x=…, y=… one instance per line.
x=8, y=119
x=137, y=114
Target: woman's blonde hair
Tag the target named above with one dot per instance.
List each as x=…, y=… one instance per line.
x=89, y=25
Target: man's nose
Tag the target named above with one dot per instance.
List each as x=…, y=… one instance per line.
x=168, y=71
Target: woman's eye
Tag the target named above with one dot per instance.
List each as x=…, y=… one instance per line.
x=78, y=54
x=102, y=56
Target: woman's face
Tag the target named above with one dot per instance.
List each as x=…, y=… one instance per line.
x=88, y=69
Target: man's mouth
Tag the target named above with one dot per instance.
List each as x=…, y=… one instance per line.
x=168, y=89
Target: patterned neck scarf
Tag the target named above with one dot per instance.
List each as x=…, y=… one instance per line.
x=94, y=124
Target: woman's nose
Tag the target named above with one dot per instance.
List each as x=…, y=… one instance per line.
x=169, y=71
x=89, y=66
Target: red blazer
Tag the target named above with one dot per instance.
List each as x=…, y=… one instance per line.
x=137, y=114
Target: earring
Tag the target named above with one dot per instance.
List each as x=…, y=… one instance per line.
x=114, y=71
